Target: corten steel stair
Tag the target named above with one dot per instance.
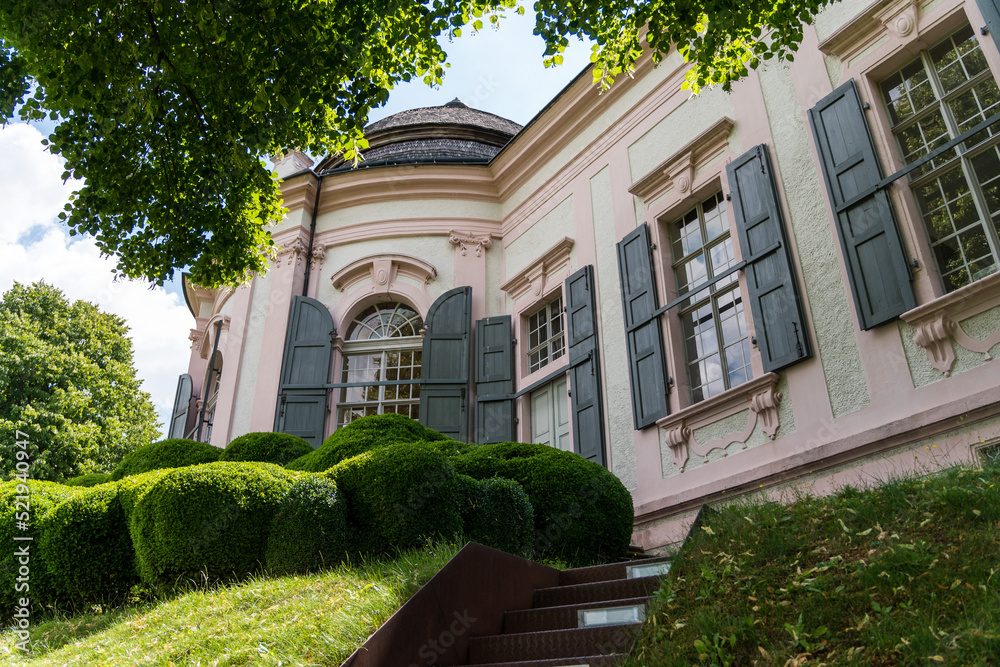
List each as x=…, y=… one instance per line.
x=492, y=609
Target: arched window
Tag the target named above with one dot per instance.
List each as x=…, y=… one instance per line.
x=382, y=344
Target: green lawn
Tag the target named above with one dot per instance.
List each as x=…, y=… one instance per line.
x=904, y=574
x=304, y=620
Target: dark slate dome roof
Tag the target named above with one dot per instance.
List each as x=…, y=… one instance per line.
x=453, y=131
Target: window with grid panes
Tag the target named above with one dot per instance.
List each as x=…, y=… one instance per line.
x=546, y=340
x=945, y=91
x=382, y=343
x=716, y=344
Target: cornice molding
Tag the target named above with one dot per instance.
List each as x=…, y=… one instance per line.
x=678, y=171
x=383, y=271
x=534, y=275
x=893, y=18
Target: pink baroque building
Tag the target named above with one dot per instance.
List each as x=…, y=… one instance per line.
x=771, y=291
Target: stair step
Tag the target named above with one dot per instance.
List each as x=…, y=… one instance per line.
x=600, y=591
x=557, y=618
x=527, y=646
x=588, y=661
x=589, y=575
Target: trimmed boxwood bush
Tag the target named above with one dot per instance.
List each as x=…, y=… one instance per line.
x=170, y=453
x=85, y=544
x=42, y=498
x=583, y=513
x=310, y=528
x=363, y=435
x=499, y=515
x=398, y=496
x=93, y=479
x=207, y=522
x=278, y=448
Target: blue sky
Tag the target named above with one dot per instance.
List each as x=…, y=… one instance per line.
x=499, y=71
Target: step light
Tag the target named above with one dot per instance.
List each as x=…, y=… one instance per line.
x=647, y=570
x=595, y=618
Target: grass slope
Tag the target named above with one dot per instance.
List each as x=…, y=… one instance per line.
x=904, y=574
x=306, y=620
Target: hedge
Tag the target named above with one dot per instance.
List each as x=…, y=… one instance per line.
x=583, y=513
x=363, y=435
x=310, y=528
x=207, y=522
x=277, y=448
x=497, y=513
x=170, y=453
x=93, y=479
x=398, y=497
x=85, y=545
x=42, y=498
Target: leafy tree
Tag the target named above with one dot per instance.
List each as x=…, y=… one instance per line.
x=167, y=109
x=67, y=383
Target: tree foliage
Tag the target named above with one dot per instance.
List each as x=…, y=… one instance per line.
x=67, y=386
x=167, y=109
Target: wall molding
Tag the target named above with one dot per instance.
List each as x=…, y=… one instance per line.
x=535, y=276
x=383, y=271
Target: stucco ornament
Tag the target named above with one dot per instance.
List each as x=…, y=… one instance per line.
x=465, y=241
x=899, y=18
x=195, y=337
x=318, y=255
x=935, y=337
x=677, y=438
x=765, y=406
x=293, y=252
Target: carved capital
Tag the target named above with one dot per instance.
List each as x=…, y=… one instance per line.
x=765, y=405
x=292, y=253
x=318, y=255
x=465, y=241
x=678, y=438
x=934, y=335
x=195, y=337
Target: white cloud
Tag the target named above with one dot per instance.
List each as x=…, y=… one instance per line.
x=32, y=194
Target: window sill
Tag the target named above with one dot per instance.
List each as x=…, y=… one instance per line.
x=760, y=395
x=937, y=322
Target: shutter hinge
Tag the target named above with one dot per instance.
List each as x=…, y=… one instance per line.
x=569, y=392
x=670, y=381
x=913, y=264
x=513, y=341
x=984, y=31
x=729, y=196
x=652, y=246
x=517, y=420
x=753, y=341
x=866, y=106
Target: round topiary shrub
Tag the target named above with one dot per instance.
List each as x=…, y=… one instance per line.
x=398, y=496
x=170, y=453
x=207, y=523
x=93, y=479
x=19, y=519
x=85, y=545
x=277, y=448
x=583, y=513
x=363, y=435
x=500, y=515
x=310, y=529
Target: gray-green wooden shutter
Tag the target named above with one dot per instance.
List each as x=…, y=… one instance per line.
x=305, y=371
x=494, y=376
x=773, y=290
x=643, y=337
x=991, y=14
x=586, y=402
x=444, y=391
x=876, y=264
x=182, y=405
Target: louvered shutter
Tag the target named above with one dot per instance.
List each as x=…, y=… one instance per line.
x=586, y=404
x=643, y=337
x=305, y=371
x=444, y=391
x=182, y=406
x=773, y=291
x=494, y=376
x=876, y=265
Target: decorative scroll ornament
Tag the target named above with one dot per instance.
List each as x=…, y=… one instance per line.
x=292, y=253
x=765, y=406
x=195, y=337
x=677, y=438
x=466, y=241
x=935, y=337
x=318, y=255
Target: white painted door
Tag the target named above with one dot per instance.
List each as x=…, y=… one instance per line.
x=550, y=416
